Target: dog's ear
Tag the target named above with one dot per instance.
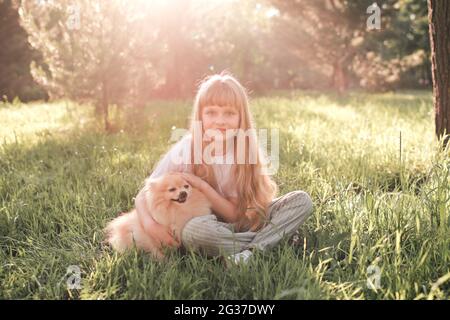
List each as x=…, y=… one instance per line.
x=152, y=183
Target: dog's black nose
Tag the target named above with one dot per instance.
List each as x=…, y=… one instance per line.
x=183, y=195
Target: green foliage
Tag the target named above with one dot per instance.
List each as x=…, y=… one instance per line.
x=84, y=47
x=332, y=39
x=130, y=52
x=376, y=204
x=15, y=58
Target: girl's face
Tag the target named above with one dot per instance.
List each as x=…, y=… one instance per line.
x=220, y=118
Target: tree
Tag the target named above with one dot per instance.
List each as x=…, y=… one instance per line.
x=397, y=55
x=439, y=22
x=15, y=57
x=87, y=49
x=238, y=37
x=202, y=36
x=326, y=32
x=331, y=36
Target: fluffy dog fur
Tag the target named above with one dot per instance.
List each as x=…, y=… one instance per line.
x=171, y=201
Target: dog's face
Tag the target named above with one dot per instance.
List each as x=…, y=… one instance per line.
x=172, y=188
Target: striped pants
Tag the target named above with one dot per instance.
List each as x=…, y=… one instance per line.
x=208, y=235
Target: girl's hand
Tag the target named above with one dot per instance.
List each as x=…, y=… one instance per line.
x=193, y=180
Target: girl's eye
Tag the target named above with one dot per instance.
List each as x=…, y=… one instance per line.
x=172, y=189
x=186, y=186
x=229, y=113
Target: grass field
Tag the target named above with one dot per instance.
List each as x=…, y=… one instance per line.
x=382, y=204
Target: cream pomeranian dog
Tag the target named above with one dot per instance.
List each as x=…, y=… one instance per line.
x=171, y=201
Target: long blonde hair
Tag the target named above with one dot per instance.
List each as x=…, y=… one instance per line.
x=255, y=188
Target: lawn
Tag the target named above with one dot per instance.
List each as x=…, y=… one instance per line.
x=380, y=187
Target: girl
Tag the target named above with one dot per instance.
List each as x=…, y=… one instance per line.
x=246, y=216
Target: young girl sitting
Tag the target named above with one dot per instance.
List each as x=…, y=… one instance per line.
x=232, y=176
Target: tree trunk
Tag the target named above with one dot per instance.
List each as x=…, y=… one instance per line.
x=339, y=78
x=439, y=27
x=105, y=104
x=175, y=29
x=172, y=87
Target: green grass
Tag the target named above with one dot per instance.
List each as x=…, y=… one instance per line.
x=62, y=179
